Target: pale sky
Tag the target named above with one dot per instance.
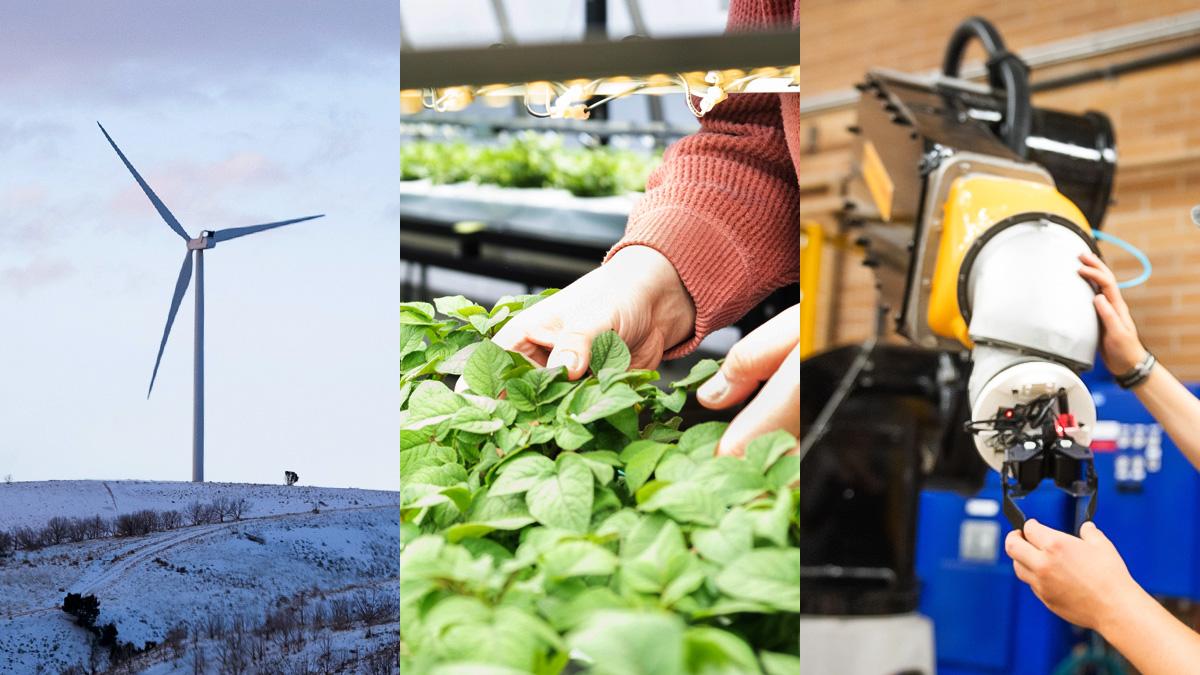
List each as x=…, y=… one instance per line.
x=236, y=113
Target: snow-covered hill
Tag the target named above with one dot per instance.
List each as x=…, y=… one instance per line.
x=234, y=587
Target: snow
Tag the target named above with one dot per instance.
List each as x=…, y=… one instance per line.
x=147, y=585
x=33, y=503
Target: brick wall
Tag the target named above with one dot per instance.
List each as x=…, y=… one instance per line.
x=1156, y=114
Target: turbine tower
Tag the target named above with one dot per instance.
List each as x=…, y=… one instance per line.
x=194, y=256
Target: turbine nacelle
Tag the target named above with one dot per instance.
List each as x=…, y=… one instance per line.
x=204, y=241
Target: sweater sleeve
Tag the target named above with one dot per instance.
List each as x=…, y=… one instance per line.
x=724, y=206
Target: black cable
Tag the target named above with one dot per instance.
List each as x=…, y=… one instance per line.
x=1006, y=71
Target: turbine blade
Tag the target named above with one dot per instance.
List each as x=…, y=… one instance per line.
x=162, y=208
x=181, y=286
x=235, y=232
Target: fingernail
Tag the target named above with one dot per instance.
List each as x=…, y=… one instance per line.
x=568, y=359
x=714, y=389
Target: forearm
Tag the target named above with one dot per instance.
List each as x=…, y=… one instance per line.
x=1175, y=408
x=1150, y=638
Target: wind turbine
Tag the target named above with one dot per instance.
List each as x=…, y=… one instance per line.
x=195, y=254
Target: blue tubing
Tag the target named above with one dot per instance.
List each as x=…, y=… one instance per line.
x=1147, y=269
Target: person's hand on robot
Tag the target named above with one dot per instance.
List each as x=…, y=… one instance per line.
x=638, y=294
x=1119, y=346
x=1082, y=579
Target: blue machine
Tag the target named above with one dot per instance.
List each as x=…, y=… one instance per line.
x=986, y=621
x=1149, y=495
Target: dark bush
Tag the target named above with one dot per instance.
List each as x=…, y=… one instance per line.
x=170, y=520
x=27, y=538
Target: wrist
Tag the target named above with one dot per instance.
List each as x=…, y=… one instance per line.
x=666, y=295
x=1122, y=610
x=1128, y=359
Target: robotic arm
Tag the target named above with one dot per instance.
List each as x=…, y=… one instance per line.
x=975, y=207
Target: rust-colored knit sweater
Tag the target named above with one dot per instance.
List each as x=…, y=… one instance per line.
x=724, y=207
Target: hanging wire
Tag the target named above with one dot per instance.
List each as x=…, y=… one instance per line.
x=1131, y=250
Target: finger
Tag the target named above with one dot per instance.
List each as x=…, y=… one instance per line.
x=1099, y=274
x=571, y=347
x=1107, y=314
x=1021, y=551
x=1090, y=533
x=1024, y=573
x=755, y=358
x=776, y=407
x=514, y=337
x=1041, y=536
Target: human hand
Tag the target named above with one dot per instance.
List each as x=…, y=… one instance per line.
x=770, y=353
x=637, y=293
x=1119, y=344
x=1081, y=579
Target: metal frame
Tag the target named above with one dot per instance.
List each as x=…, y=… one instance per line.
x=560, y=62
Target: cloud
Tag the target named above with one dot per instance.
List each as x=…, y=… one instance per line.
x=42, y=133
x=193, y=49
x=188, y=187
x=35, y=274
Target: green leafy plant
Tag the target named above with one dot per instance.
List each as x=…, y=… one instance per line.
x=552, y=526
x=529, y=160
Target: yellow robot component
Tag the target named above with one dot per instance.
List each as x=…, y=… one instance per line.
x=975, y=203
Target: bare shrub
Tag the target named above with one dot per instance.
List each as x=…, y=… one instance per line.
x=56, y=531
x=341, y=613
x=214, y=625
x=237, y=508
x=197, y=513
x=170, y=520
x=26, y=538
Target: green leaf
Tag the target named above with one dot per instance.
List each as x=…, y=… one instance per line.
x=686, y=502
x=609, y=351
x=431, y=403
x=785, y=473
x=564, y=500
x=473, y=420
x=412, y=339
x=521, y=474
x=731, y=479
x=485, y=368
x=625, y=421
x=631, y=643
x=775, y=663
x=712, y=651
x=457, y=306
x=640, y=458
x=565, y=614
x=578, y=559
x=499, y=511
x=700, y=372
x=732, y=538
x=427, y=454
x=675, y=467
x=673, y=401
x=571, y=435
x=522, y=395
x=593, y=403
x=700, y=441
x=455, y=364
x=601, y=463
x=772, y=524
x=767, y=575
x=766, y=449
x=416, y=313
